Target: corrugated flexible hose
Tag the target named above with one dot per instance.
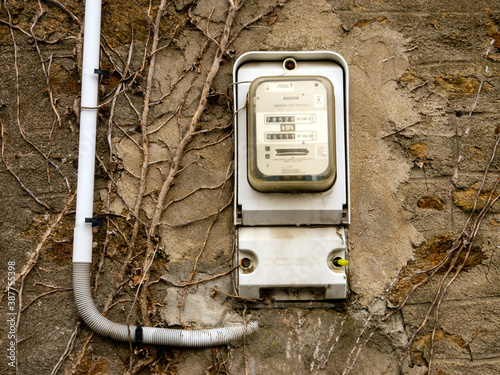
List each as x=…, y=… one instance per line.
x=82, y=241
x=147, y=335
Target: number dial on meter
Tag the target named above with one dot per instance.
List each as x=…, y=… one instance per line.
x=291, y=134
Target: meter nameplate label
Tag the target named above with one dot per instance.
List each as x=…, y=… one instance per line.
x=279, y=86
x=291, y=134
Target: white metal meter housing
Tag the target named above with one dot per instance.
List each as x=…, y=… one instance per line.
x=292, y=174
x=256, y=205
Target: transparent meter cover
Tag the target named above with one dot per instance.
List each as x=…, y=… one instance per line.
x=291, y=134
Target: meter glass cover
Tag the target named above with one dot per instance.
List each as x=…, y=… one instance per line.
x=291, y=134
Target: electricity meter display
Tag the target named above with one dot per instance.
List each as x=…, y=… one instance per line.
x=291, y=134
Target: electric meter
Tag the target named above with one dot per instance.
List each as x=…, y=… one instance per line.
x=291, y=134
x=292, y=175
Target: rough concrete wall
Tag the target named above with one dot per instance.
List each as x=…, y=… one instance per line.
x=423, y=126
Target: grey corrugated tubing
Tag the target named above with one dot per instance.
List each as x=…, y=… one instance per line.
x=154, y=336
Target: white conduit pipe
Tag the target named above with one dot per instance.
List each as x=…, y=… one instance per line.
x=82, y=241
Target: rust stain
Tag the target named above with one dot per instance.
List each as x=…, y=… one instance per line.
x=459, y=86
x=63, y=81
x=60, y=252
x=465, y=198
x=435, y=21
x=418, y=150
x=89, y=366
x=435, y=24
x=493, y=29
x=118, y=18
x=410, y=76
x=59, y=248
x=474, y=152
x=429, y=255
x=418, y=346
x=54, y=24
x=114, y=79
x=431, y=202
x=363, y=23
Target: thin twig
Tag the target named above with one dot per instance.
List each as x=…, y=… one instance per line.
x=403, y=128
x=463, y=244
x=350, y=361
x=204, y=32
x=254, y=20
x=33, y=258
x=239, y=298
x=144, y=274
x=192, y=192
x=11, y=171
x=81, y=353
x=63, y=7
x=67, y=351
x=48, y=89
x=32, y=261
x=45, y=294
x=185, y=140
x=203, y=247
x=183, y=285
x=226, y=205
x=18, y=100
x=174, y=84
x=399, y=54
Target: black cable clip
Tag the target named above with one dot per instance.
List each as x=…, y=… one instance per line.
x=96, y=221
x=103, y=73
x=138, y=335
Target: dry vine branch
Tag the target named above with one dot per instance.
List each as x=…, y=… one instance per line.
x=454, y=265
x=183, y=285
x=226, y=205
x=179, y=79
x=21, y=277
x=148, y=65
x=65, y=9
x=11, y=171
x=33, y=258
x=239, y=298
x=144, y=135
x=18, y=103
x=81, y=353
x=203, y=246
x=186, y=139
x=118, y=194
x=68, y=350
x=45, y=294
x=245, y=341
x=187, y=195
x=49, y=91
x=134, y=212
